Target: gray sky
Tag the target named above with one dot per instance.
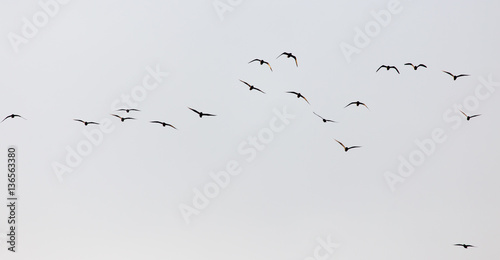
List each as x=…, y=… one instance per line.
x=297, y=186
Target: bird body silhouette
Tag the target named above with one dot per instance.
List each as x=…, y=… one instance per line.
x=201, y=114
x=123, y=118
x=357, y=103
x=128, y=109
x=469, y=117
x=289, y=55
x=86, y=122
x=347, y=148
x=325, y=120
x=13, y=116
x=388, y=68
x=298, y=95
x=455, y=77
x=464, y=245
x=262, y=62
x=252, y=87
x=416, y=67
x=163, y=124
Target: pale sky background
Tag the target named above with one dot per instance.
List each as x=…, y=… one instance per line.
x=123, y=201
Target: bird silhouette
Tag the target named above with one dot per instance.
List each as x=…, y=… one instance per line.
x=163, y=124
x=416, y=67
x=388, y=68
x=298, y=95
x=262, y=62
x=357, y=103
x=201, y=114
x=325, y=120
x=455, y=77
x=86, y=122
x=124, y=118
x=13, y=116
x=128, y=109
x=252, y=87
x=464, y=245
x=289, y=55
x=345, y=147
x=469, y=117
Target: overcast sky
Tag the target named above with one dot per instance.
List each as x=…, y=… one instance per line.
x=424, y=179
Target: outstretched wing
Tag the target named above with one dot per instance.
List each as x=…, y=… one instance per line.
x=305, y=99
x=117, y=116
x=208, y=114
x=421, y=65
x=352, y=147
x=350, y=104
x=475, y=115
x=392, y=67
x=464, y=113
x=340, y=143
x=258, y=89
x=79, y=120
x=383, y=66
x=449, y=73
x=254, y=60
x=462, y=75
x=194, y=110
x=246, y=83
x=284, y=53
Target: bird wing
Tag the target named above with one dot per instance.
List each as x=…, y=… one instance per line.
x=79, y=120
x=171, y=126
x=464, y=113
x=125, y=118
x=328, y=120
x=296, y=62
x=475, y=115
x=394, y=68
x=268, y=65
x=258, y=89
x=254, y=60
x=340, y=143
x=449, y=73
x=92, y=123
x=365, y=105
x=122, y=109
x=462, y=75
x=318, y=115
x=383, y=66
x=116, y=116
x=284, y=53
x=409, y=64
x=246, y=83
x=156, y=122
x=352, y=147
x=207, y=114
x=421, y=65
x=292, y=92
x=305, y=99
x=194, y=110
x=350, y=104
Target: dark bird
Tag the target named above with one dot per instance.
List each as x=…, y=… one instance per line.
x=289, y=55
x=388, y=68
x=469, y=117
x=325, y=120
x=252, y=87
x=357, y=103
x=128, y=109
x=457, y=76
x=201, y=114
x=262, y=62
x=298, y=95
x=13, y=116
x=347, y=148
x=464, y=245
x=163, y=124
x=86, y=122
x=123, y=118
x=416, y=67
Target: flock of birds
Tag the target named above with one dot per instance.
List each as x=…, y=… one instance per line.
x=252, y=87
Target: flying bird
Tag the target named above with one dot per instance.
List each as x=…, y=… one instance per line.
x=416, y=67
x=163, y=124
x=289, y=55
x=457, y=76
x=123, y=118
x=252, y=87
x=201, y=114
x=86, y=122
x=469, y=117
x=298, y=95
x=388, y=68
x=128, y=109
x=325, y=120
x=262, y=62
x=464, y=245
x=13, y=116
x=347, y=148
x=357, y=103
